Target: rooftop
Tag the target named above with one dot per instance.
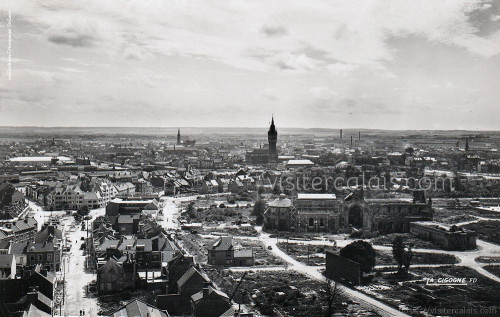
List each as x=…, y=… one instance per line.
x=316, y=196
x=299, y=162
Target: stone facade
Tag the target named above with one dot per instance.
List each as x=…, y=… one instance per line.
x=385, y=215
x=327, y=213
x=317, y=212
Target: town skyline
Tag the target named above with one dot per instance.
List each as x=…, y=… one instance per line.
x=247, y=129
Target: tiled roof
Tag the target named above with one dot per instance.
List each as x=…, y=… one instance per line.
x=223, y=244
x=6, y=260
x=137, y=308
x=18, y=248
x=198, y=296
x=187, y=276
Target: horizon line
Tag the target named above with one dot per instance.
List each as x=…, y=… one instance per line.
x=241, y=128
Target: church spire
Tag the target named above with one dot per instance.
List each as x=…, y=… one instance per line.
x=178, y=136
x=272, y=127
x=272, y=138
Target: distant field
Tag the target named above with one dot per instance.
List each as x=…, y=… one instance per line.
x=35, y=132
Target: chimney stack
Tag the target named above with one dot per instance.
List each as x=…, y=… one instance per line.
x=206, y=288
x=359, y=136
x=340, y=134
x=33, y=294
x=351, y=140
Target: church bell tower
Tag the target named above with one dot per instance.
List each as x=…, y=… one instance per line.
x=272, y=138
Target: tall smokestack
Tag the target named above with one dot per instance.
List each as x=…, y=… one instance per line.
x=359, y=136
x=341, y=134
x=351, y=140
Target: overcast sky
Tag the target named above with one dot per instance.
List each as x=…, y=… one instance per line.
x=334, y=64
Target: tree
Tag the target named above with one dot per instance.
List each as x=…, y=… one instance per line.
x=83, y=210
x=398, y=251
x=190, y=210
x=360, y=252
x=258, y=211
x=331, y=291
x=402, y=254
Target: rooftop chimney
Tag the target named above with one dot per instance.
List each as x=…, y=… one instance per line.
x=206, y=288
x=33, y=294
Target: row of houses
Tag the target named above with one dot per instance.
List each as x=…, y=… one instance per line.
x=44, y=249
x=75, y=194
x=27, y=273
x=31, y=294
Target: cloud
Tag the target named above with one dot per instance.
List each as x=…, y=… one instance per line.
x=364, y=57
x=291, y=61
x=353, y=32
x=74, y=31
x=274, y=31
x=485, y=7
x=75, y=40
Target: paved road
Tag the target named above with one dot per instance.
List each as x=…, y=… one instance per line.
x=77, y=279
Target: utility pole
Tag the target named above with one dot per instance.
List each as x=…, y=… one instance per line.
x=308, y=255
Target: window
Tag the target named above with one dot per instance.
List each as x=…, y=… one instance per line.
x=311, y=222
x=32, y=258
x=40, y=257
x=49, y=257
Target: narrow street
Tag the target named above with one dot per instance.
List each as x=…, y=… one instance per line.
x=77, y=279
x=76, y=276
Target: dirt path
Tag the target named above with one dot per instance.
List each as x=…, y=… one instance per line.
x=365, y=300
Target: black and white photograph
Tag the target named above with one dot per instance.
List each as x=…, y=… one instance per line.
x=249, y=158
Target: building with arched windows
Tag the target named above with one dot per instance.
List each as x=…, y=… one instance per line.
x=327, y=213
